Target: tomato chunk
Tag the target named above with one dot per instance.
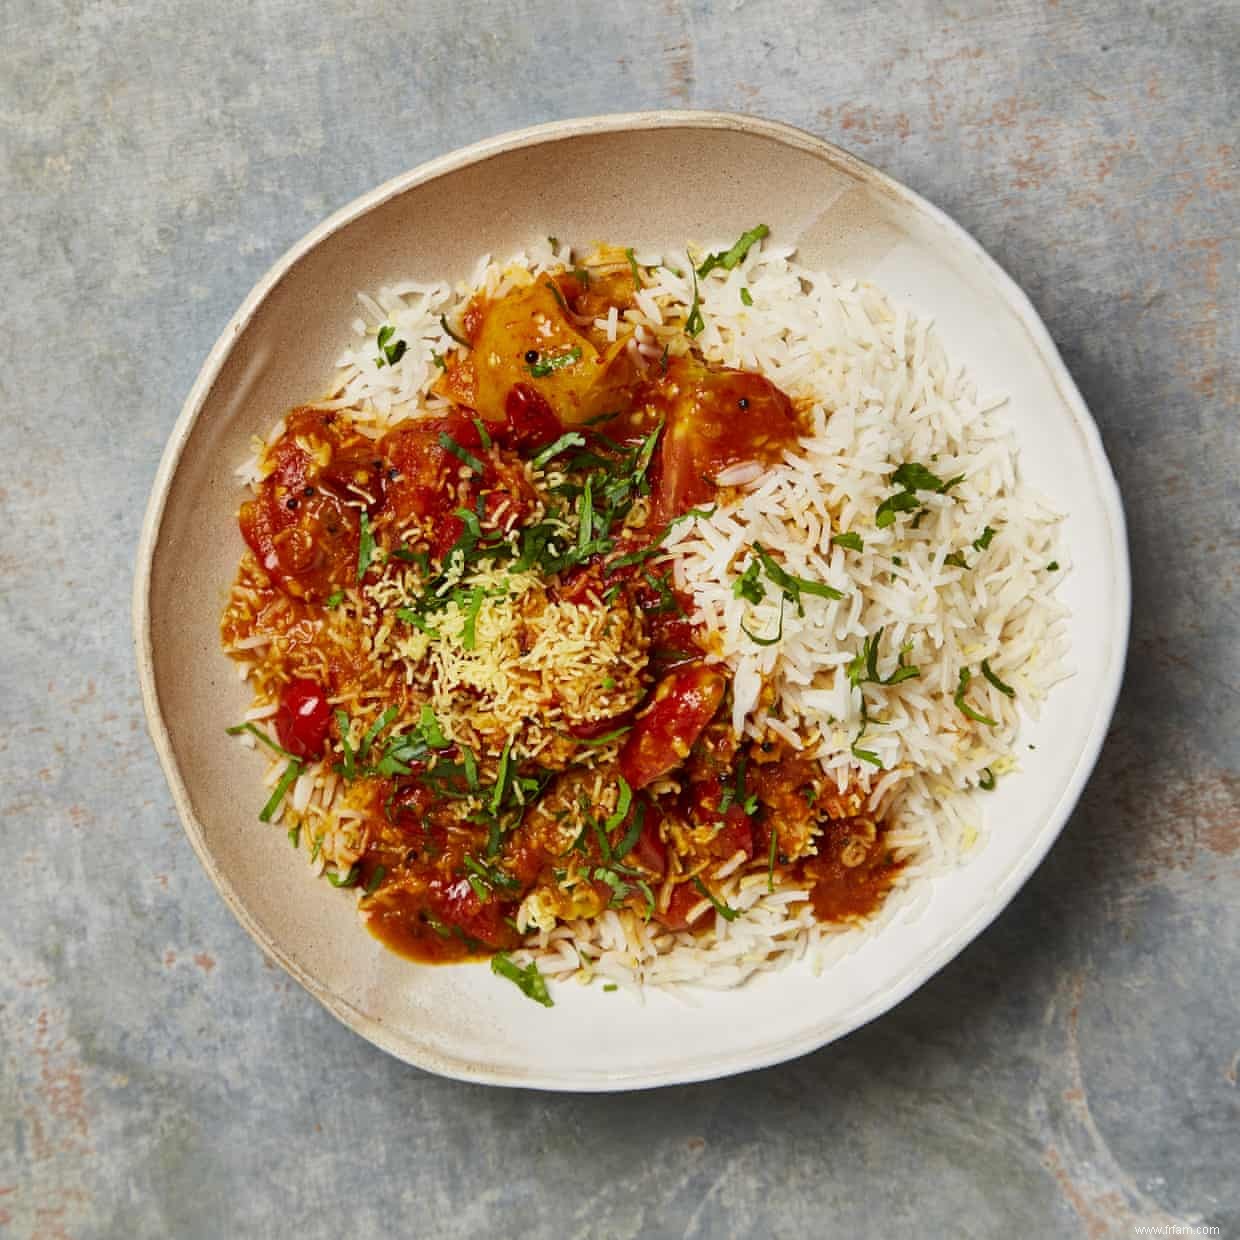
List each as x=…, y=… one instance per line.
x=299, y=525
x=456, y=903
x=532, y=423
x=303, y=718
x=713, y=419
x=684, y=899
x=426, y=468
x=684, y=702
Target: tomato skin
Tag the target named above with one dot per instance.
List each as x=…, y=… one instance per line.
x=532, y=423
x=426, y=471
x=650, y=850
x=684, y=899
x=303, y=719
x=456, y=903
x=684, y=702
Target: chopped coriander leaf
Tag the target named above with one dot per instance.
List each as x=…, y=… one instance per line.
x=956, y=560
x=347, y=879
x=606, y=738
x=728, y=914
x=793, y=586
x=389, y=354
x=483, y=434
x=570, y=440
x=895, y=559
x=986, y=780
x=964, y=707
x=334, y=599
x=746, y=297
x=747, y=585
x=374, y=730
x=608, y=987
x=443, y=322
x=437, y=358
x=619, y=888
x=501, y=777
x=450, y=445
x=365, y=547
x=914, y=477
x=585, y=517
x=1053, y=566
x=863, y=667
x=294, y=835
x=372, y=884
x=983, y=540
x=316, y=848
x=347, y=768
x=471, y=608
x=667, y=598
x=545, y=365
x=471, y=768
x=729, y=259
x=554, y=242
x=528, y=980
x=582, y=276
x=694, y=324
x=779, y=632
x=851, y=540
x=237, y=729
x=428, y=725
x=1006, y=690
x=901, y=501
x=866, y=755
x=637, y=278
x=770, y=861
x=951, y=482
x=624, y=799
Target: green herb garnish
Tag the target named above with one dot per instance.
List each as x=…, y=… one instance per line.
x=365, y=547
x=694, y=324
x=792, y=586
x=963, y=706
x=389, y=354
x=851, y=540
x=728, y=914
x=545, y=365
x=347, y=879
x=1006, y=690
x=863, y=667
x=746, y=298
x=747, y=585
x=866, y=755
x=237, y=729
x=372, y=885
x=528, y=980
x=290, y=773
x=779, y=632
x=770, y=861
x=294, y=835
x=729, y=259
x=570, y=440
x=986, y=780
x=637, y=279
x=956, y=560
x=983, y=540
x=1053, y=566
x=347, y=766
x=450, y=445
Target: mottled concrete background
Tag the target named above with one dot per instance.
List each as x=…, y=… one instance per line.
x=1074, y=1073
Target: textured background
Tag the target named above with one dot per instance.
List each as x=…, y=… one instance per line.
x=1074, y=1073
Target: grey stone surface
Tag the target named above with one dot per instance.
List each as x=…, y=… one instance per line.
x=1074, y=1073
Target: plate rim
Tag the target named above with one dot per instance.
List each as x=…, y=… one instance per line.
x=376, y=1031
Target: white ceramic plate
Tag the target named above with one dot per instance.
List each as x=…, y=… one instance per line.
x=702, y=177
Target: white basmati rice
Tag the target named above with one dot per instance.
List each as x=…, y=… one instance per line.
x=879, y=392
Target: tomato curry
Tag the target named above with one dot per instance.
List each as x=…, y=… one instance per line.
x=479, y=795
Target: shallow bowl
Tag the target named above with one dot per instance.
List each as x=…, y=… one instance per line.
x=654, y=180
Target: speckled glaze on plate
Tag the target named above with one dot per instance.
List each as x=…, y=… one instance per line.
x=702, y=177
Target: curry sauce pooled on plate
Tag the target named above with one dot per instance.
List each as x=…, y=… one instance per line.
x=496, y=707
